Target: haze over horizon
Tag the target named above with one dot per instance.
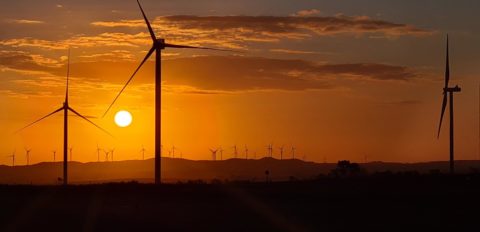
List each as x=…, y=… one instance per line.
x=337, y=80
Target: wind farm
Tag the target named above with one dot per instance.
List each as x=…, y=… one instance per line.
x=239, y=116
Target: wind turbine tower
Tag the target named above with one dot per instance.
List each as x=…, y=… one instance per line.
x=448, y=91
x=158, y=44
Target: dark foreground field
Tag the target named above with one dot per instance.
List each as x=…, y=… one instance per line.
x=364, y=204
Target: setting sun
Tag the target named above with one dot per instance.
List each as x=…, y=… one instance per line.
x=123, y=118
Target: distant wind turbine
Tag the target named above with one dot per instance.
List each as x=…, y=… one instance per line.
x=270, y=150
x=221, y=153
x=158, y=44
x=65, y=108
x=214, y=154
x=27, y=152
x=106, y=155
x=13, y=158
x=450, y=91
x=71, y=153
x=143, y=152
x=281, y=152
x=111, y=153
x=235, y=151
x=54, y=155
x=98, y=153
x=293, y=152
x=246, y=152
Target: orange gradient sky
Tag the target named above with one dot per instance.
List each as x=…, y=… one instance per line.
x=335, y=80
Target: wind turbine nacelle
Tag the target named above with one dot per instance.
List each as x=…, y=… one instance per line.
x=160, y=43
x=454, y=89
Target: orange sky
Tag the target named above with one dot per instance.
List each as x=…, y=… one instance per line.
x=334, y=81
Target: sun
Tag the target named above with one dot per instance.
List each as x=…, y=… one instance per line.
x=123, y=118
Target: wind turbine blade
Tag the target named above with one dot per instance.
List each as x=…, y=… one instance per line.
x=152, y=34
x=167, y=45
x=444, y=106
x=88, y=120
x=68, y=75
x=130, y=79
x=46, y=116
x=447, y=67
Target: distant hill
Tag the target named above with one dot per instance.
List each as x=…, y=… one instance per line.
x=174, y=170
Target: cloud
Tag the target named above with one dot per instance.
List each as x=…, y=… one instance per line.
x=276, y=25
x=25, y=21
x=101, y=40
x=289, y=51
x=222, y=74
x=306, y=13
x=236, y=31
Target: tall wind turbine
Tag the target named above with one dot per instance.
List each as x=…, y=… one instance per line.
x=158, y=44
x=54, y=155
x=246, y=152
x=65, y=108
x=450, y=91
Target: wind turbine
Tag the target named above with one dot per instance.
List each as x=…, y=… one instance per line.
x=27, y=152
x=54, y=154
x=246, y=152
x=98, y=153
x=143, y=152
x=450, y=91
x=158, y=44
x=293, y=152
x=214, y=154
x=281, y=152
x=111, y=153
x=221, y=153
x=71, y=153
x=65, y=108
x=13, y=158
x=106, y=155
x=270, y=150
x=173, y=151
x=235, y=151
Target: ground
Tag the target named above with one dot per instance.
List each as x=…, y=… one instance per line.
x=387, y=203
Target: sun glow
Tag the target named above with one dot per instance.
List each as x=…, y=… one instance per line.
x=123, y=118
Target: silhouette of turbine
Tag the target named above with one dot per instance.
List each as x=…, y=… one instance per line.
x=65, y=108
x=106, y=155
x=13, y=158
x=448, y=90
x=281, y=152
x=27, y=153
x=98, y=153
x=221, y=153
x=71, y=153
x=157, y=47
x=214, y=154
x=143, y=152
x=293, y=152
x=235, y=151
x=246, y=152
x=54, y=155
x=111, y=153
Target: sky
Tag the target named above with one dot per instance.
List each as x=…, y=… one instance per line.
x=350, y=79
